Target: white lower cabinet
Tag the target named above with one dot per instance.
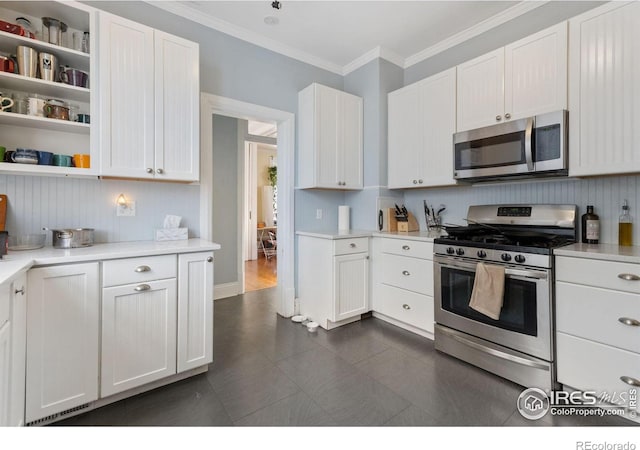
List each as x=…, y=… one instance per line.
x=333, y=279
x=18, y=296
x=195, y=310
x=403, y=283
x=5, y=372
x=138, y=334
x=62, y=338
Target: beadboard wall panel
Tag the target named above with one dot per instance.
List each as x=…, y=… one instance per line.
x=57, y=202
x=605, y=193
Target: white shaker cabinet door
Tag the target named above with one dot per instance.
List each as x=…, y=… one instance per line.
x=138, y=334
x=350, y=126
x=406, y=136
x=351, y=285
x=536, y=74
x=62, y=338
x=327, y=136
x=604, y=99
x=126, y=98
x=481, y=91
x=177, y=108
x=195, y=310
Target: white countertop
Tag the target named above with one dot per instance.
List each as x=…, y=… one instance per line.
x=607, y=252
x=16, y=261
x=427, y=236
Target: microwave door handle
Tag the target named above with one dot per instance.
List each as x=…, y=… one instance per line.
x=528, y=144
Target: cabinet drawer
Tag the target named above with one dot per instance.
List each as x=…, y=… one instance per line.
x=349, y=246
x=593, y=272
x=592, y=313
x=137, y=270
x=405, y=306
x=406, y=247
x=408, y=273
x=587, y=365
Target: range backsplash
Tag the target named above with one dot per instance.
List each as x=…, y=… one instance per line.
x=58, y=202
x=605, y=193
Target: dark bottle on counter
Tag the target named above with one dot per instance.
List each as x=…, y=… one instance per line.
x=590, y=227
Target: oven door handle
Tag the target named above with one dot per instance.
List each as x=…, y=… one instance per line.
x=536, y=275
x=528, y=144
x=499, y=354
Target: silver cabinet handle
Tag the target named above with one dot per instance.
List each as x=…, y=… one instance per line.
x=405, y=273
x=628, y=277
x=149, y=170
x=507, y=116
x=498, y=118
x=630, y=381
x=210, y=259
x=420, y=181
x=352, y=245
x=142, y=287
x=160, y=171
x=406, y=247
x=19, y=291
x=141, y=269
x=629, y=321
x=415, y=181
x=528, y=144
x=405, y=306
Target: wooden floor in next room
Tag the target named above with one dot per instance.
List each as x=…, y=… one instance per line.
x=260, y=273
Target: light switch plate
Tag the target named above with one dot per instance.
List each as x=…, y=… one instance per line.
x=128, y=210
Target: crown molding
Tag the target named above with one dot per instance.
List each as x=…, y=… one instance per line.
x=225, y=27
x=476, y=30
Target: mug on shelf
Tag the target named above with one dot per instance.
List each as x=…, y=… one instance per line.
x=35, y=106
x=82, y=160
x=7, y=156
x=25, y=156
x=5, y=102
x=83, y=118
x=56, y=109
x=2, y=152
x=45, y=158
x=62, y=160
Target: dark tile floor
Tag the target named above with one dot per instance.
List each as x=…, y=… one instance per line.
x=268, y=370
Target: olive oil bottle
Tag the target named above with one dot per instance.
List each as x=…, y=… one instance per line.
x=625, y=227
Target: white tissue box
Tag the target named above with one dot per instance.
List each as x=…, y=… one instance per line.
x=172, y=234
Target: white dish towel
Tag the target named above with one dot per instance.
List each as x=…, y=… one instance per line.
x=488, y=290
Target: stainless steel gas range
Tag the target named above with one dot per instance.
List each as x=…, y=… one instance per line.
x=518, y=345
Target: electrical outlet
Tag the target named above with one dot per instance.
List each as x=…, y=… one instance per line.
x=126, y=210
x=318, y=214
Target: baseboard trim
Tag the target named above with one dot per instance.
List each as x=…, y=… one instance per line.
x=403, y=325
x=225, y=290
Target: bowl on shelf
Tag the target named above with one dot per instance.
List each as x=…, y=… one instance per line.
x=27, y=241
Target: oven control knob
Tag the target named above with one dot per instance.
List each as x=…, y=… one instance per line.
x=482, y=254
x=519, y=259
x=460, y=252
x=450, y=251
x=506, y=257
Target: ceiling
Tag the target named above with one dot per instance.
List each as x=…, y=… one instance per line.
x=343, y=35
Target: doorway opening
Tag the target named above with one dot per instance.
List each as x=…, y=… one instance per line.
x=261, y=206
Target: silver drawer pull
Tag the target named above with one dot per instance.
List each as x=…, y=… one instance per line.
x=628, y=277
x=406, y=247
x=405, y=306
x=142, y=287
x=19, y=291
x=210, y=259
x=629, y=321
x=630, y=381
x=405, y=273
x=141, y=269
x=352, y=245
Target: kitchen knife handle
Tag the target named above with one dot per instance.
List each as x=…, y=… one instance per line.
x=141, y=269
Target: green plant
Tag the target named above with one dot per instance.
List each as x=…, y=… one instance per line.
x=273, y=175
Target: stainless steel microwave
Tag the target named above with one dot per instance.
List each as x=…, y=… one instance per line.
x=535, y=146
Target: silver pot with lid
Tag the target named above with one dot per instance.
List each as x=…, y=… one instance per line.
x=71, y=237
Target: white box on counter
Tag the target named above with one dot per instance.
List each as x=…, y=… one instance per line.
x=172, y=234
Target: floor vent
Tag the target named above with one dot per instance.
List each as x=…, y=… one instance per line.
x=55, y=416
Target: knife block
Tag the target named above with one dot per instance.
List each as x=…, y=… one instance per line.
x=409, y=225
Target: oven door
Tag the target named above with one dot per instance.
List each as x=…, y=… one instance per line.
x=525, y=319
x=499, y=150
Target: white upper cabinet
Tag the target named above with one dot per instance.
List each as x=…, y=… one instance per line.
x=422, y=120
x=149, y=102
x=604, y=99
x=481, y=91
x=330, y=139
x=523, y=79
